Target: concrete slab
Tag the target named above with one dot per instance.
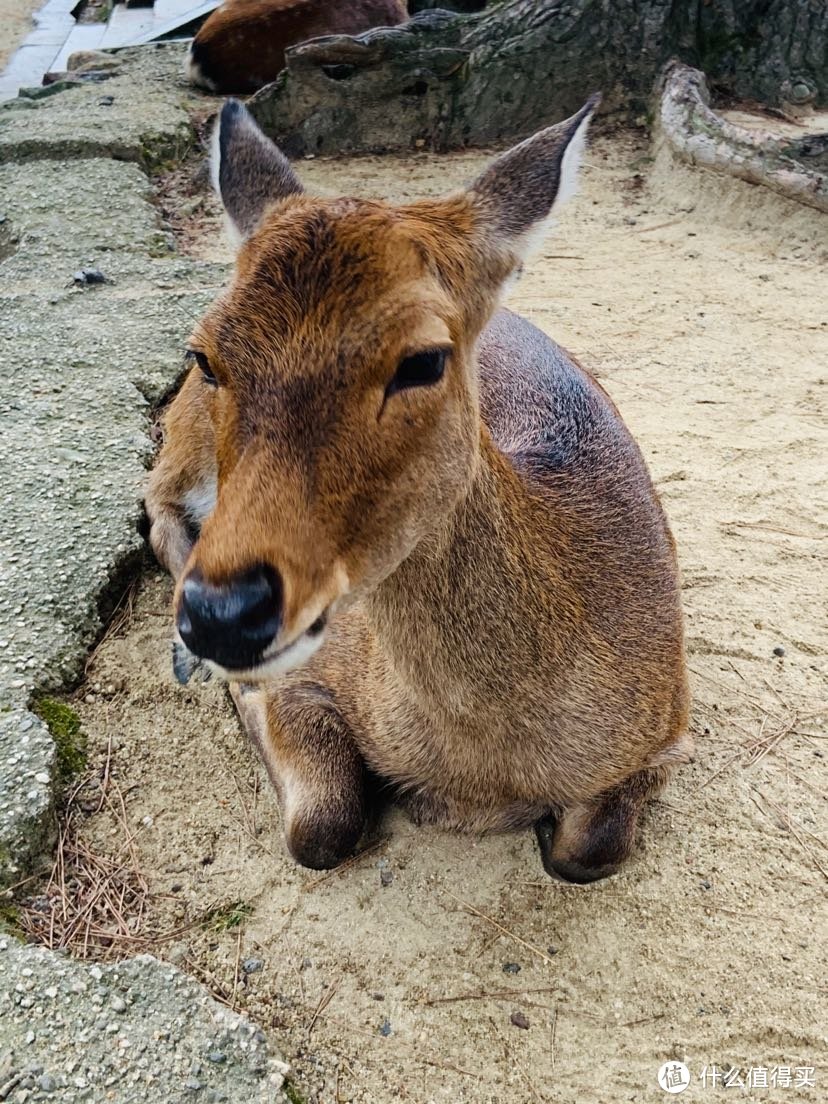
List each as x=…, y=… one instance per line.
x=85, y=36
x=126, y=25
x=29, y=63
x=137, y=1032
x=82, y=364
x=51, y=33
x=136, y=115
x=175, y=23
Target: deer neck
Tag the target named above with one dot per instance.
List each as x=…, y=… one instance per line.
x=464, y=614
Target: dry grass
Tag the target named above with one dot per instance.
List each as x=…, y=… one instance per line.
x=94, y=905
x=98, y=904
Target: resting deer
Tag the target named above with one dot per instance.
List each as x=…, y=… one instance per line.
x=410, y=529
x=241, y=46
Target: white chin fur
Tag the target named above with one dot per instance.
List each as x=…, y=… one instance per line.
x=294, y=655
x=192, y=71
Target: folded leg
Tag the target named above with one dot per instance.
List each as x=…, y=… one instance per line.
x=315, y=766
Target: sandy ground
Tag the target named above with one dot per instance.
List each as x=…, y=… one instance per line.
x=16, y=22
x=702, y=307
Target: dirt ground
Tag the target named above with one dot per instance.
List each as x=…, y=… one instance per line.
x=16, y=21
x=702, y=307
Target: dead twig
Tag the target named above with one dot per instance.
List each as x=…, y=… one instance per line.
x=496, y=994
x=790, y=828
x=659, y=226
x=324, y=1000
x=309, y=886
x=506, y=931
x=450, y=1066
x=236, y=969
x=773, y=529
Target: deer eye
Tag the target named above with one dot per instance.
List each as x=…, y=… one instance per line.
x=419, y=370
x=204, y=366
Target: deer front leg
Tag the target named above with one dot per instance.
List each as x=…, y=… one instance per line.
x=315, y=766
x=181, y=491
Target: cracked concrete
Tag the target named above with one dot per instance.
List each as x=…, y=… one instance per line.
x=82, y=363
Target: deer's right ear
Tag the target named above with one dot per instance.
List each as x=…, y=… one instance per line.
x=248, y=171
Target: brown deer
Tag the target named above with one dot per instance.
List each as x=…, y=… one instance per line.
x=412, y=531
x=241, y=46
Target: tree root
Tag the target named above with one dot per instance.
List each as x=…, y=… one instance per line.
x=795, y=168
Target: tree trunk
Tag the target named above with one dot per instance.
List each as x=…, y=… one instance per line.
x=446, y=80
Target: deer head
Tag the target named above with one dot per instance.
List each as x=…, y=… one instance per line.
x=340, y=377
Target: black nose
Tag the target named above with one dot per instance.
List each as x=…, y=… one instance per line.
x=234, y=621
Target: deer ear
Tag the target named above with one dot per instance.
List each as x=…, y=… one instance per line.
x=518, y=192
x=248, y=171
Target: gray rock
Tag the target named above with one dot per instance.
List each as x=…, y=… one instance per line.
x=75, y=442
x=146, y=121
x=27, y=760
x=89, y=276
x=171, y=1019
x=74, y=435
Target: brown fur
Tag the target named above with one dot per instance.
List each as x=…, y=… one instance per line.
x=241, y=45
x=505, y=644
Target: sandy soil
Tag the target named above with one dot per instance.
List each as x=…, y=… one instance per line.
x=16, y=21
x=702, y=307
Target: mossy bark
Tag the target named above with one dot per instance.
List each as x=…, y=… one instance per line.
x=446, y=79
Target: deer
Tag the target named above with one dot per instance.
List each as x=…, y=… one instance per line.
x=241, y=46
x=410, y=531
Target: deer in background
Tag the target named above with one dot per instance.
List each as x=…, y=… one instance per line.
x=241, y=46
x=411, y=531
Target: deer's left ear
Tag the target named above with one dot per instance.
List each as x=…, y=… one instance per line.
x=248, y=171
x=518, y=192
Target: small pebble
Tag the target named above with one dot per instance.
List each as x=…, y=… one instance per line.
x=552, y=950
x=216, y=1056
x=46, y=1083
x=778, y=650
x=192, y=1083
x=385, y=1028
x=705, y=884
x=520, y=1020
x=386, y=877
x=85, y=276
x=118, y=1004
x=252, y=965
x=511, y=967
